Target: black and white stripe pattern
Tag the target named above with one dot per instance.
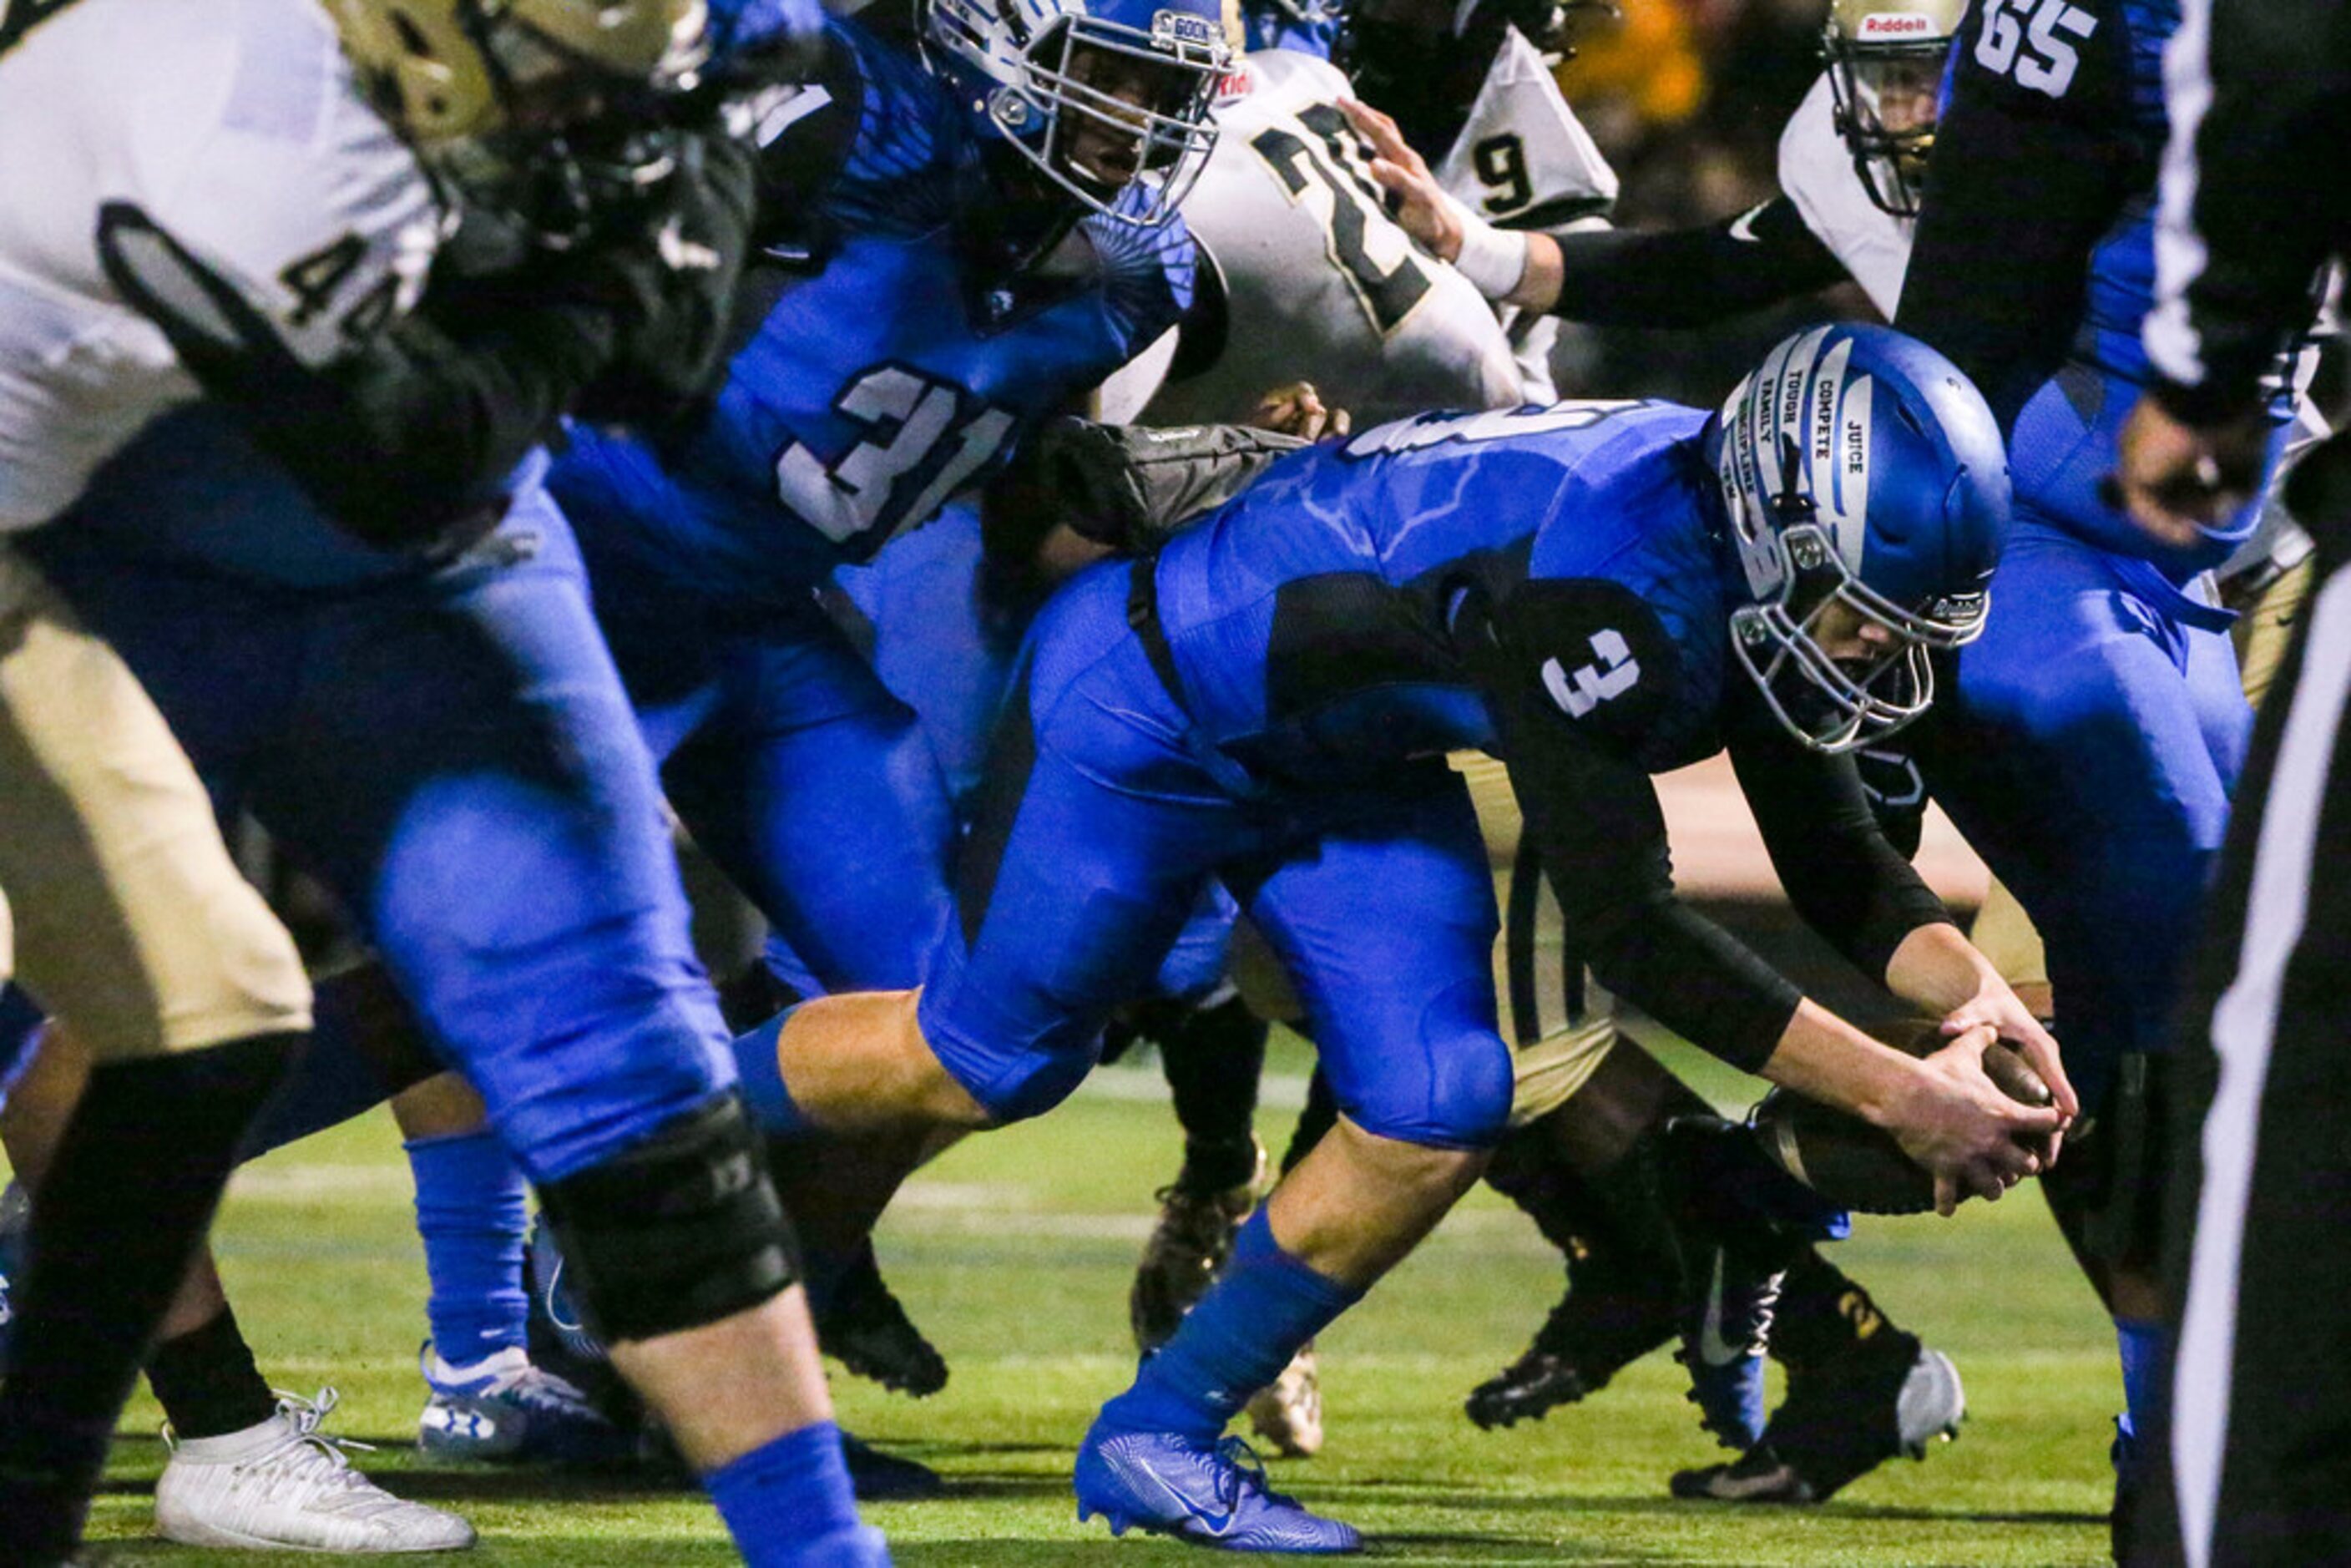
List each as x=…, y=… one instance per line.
x=2245, y=1031
x=2172, y=341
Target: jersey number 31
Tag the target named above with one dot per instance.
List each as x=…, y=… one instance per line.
x=910, y=419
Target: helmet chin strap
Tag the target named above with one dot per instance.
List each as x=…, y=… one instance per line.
x=1791, y=506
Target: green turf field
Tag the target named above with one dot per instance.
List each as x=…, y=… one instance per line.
x=1014, y=1251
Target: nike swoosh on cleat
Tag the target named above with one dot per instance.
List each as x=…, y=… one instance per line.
x=1215, y=1523
x=1712, y=1348
x=1742, y=227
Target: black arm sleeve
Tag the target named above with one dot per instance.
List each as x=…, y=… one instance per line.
x=400, y=440
x=2022, y=182
x=426, y=426
x=1690, y=277
x=1594, y=816
x=2251, y=204
x=1842, y=877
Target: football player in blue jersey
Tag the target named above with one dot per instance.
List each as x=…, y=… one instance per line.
x=964, y=233
x=2097, y=727
x=1595, y=591
x=958, y=234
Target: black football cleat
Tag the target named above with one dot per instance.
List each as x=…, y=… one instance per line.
x=878, y=1477
x=1610, y=1317
x=1757, y=1476
x=1887, y=1397
x=863, y=1327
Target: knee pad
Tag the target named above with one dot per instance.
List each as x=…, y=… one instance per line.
x=1459, y=1100
x=675, y=1233
x=1030, y=1085
x=1010, y=1077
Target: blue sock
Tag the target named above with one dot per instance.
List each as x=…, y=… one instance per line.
x=470, y=1211
x=786, y=1497
x=764, y=1093
x=2145, y=1345
x=1234, y=1342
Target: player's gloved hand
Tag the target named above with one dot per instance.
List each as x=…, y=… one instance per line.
x=669, y=279
x=1956, y=1123
x=1297, y=409
x=1494, y=259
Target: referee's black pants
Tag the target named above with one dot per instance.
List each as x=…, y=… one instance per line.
x=2258, y=1233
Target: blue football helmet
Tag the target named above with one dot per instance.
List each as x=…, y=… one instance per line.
x=1868, y=493
x=1100, y=95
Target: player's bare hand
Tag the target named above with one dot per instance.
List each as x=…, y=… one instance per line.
x=1956, y=1123
x=1297, y=409
x=1420, y=205
x=2012, y=1021
x=2175, y=480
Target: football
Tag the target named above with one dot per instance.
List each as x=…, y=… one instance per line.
x=1857, y=1166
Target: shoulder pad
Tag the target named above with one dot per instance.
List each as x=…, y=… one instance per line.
x=1817, y=174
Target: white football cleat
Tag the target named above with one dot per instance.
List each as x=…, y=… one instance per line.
x=284, y=1484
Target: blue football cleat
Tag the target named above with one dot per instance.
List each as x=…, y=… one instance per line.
x=1210, y=1494
x=1726, y=1328
x=506, y=1410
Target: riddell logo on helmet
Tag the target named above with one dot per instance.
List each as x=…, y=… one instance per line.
x=1898, y=25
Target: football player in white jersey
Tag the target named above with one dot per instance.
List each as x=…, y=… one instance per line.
x=1314, y=273
x=1850, y=161
x=233, y=202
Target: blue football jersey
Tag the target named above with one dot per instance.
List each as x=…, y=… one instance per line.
x=2121, y=289
x=1311, y=620
x=889, y=363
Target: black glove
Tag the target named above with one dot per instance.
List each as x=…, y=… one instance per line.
x=669, y=277
x=1127, y=487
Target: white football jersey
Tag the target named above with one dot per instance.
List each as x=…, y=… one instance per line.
x=236, y=126
x=1321, y=284
x=1523, y=156
x=1816, y=172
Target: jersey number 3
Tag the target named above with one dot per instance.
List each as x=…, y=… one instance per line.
x=911, y=419
x=1615, y=672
